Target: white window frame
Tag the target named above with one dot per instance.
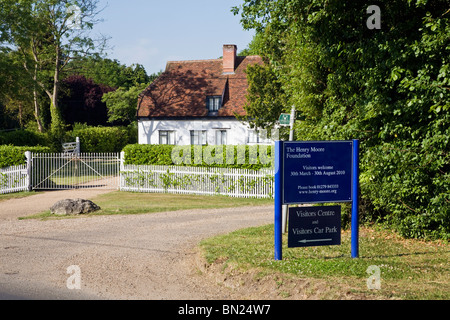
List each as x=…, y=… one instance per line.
x=168, y=136
x=221, y=137
x=213, y=103
x=199, y=137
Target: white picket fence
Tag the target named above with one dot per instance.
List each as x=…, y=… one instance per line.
x=240, y=183
x=63, y=171
x=14, y=179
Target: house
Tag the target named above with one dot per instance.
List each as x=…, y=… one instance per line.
x=196, y=103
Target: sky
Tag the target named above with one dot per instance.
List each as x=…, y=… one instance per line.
x=152, y=32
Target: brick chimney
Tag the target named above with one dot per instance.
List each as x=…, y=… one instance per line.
x=229, y=58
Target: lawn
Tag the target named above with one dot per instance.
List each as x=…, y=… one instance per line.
x=125, y=203
x=409, y=269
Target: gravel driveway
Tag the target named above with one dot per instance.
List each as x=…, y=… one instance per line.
x=119, y=257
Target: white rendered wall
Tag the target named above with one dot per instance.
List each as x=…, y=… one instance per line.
x=237, y=132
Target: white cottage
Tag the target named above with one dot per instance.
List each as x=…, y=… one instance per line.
x=196, y=103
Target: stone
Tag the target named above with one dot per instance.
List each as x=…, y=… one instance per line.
x=69, y=207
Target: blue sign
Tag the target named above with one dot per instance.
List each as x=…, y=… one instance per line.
x=314, y=226
x=317, y=172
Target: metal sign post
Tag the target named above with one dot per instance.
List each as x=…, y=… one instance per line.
x=316, y=172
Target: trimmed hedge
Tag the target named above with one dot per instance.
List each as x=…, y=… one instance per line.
x=23, y=138
x=102, y=139
x=14, y=156
x=200, y=156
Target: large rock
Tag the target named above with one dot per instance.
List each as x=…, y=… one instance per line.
x=73, y=207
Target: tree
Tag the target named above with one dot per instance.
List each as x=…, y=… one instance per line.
x=48, y=34
x=265, y=99
x=122, y=104
x=388, y=87
x=109, y=72
x=81, y=101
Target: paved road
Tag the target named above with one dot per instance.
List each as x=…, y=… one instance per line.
x=119, y=257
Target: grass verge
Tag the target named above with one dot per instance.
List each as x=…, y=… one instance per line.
x=125, y=203
x=410, y=269
x=18, y=195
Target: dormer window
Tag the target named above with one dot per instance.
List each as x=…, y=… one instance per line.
x=213, y=103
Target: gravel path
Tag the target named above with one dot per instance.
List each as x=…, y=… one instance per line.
x=120, y=257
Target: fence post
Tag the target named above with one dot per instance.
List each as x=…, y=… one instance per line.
x=29, y=171
x=78, y=147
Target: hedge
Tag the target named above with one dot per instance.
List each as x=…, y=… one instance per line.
x=244, y=157
x=23, y=138
x=14, y=156
x=102, y=139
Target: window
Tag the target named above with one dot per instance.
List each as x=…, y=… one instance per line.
x=252, y=136
x=198, y=137
x=258, y=137
x=213, y=103
x=221, y=137
x=166, y=137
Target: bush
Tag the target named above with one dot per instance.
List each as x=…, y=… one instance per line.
x=162, y=155
x=102, y=139
x=22, y=138
x=14, y=156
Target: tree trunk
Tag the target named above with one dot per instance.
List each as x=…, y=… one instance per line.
x=37, y=110
x=57, y=125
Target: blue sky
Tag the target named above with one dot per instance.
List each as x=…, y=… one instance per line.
x=152, y=32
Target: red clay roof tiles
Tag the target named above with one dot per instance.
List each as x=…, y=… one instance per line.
x=182, y=90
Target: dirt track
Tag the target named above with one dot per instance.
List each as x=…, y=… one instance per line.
x=120, y=257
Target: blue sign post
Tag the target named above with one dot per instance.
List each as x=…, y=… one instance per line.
x=316, y=172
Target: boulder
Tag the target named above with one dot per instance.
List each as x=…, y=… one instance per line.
x=73, y=207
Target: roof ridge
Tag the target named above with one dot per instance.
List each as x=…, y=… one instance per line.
x=191, y=61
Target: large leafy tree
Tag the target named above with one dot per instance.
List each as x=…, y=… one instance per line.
x=388, y=87
x=81, y=101
x=47, y=34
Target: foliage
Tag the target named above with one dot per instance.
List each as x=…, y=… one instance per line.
x=208, y=180
x=390, y=88
x=23, y=138
x=244, y=157
x=83, y=101
x=109, y=72
x=122, y=103
x=265, y=100
x=14, y=156
x=46, y=37
x=102, y=139
x=148, y=154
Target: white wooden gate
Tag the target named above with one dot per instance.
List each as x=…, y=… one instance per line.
x=60, y=171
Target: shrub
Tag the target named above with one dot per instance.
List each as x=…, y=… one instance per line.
x=14, y=156
x=102, y=139
x=22, y=138
x=203, y=156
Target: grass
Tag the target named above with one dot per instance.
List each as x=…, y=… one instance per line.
x=410, y=269
x=18, y=195
x=126, y=203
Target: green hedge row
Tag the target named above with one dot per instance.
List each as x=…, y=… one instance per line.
x=93, y=139
x=244, y=157
x=21, y=138
x=103, y=139
x=14, y=156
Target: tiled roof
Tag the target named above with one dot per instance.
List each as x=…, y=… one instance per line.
x=181, y=90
